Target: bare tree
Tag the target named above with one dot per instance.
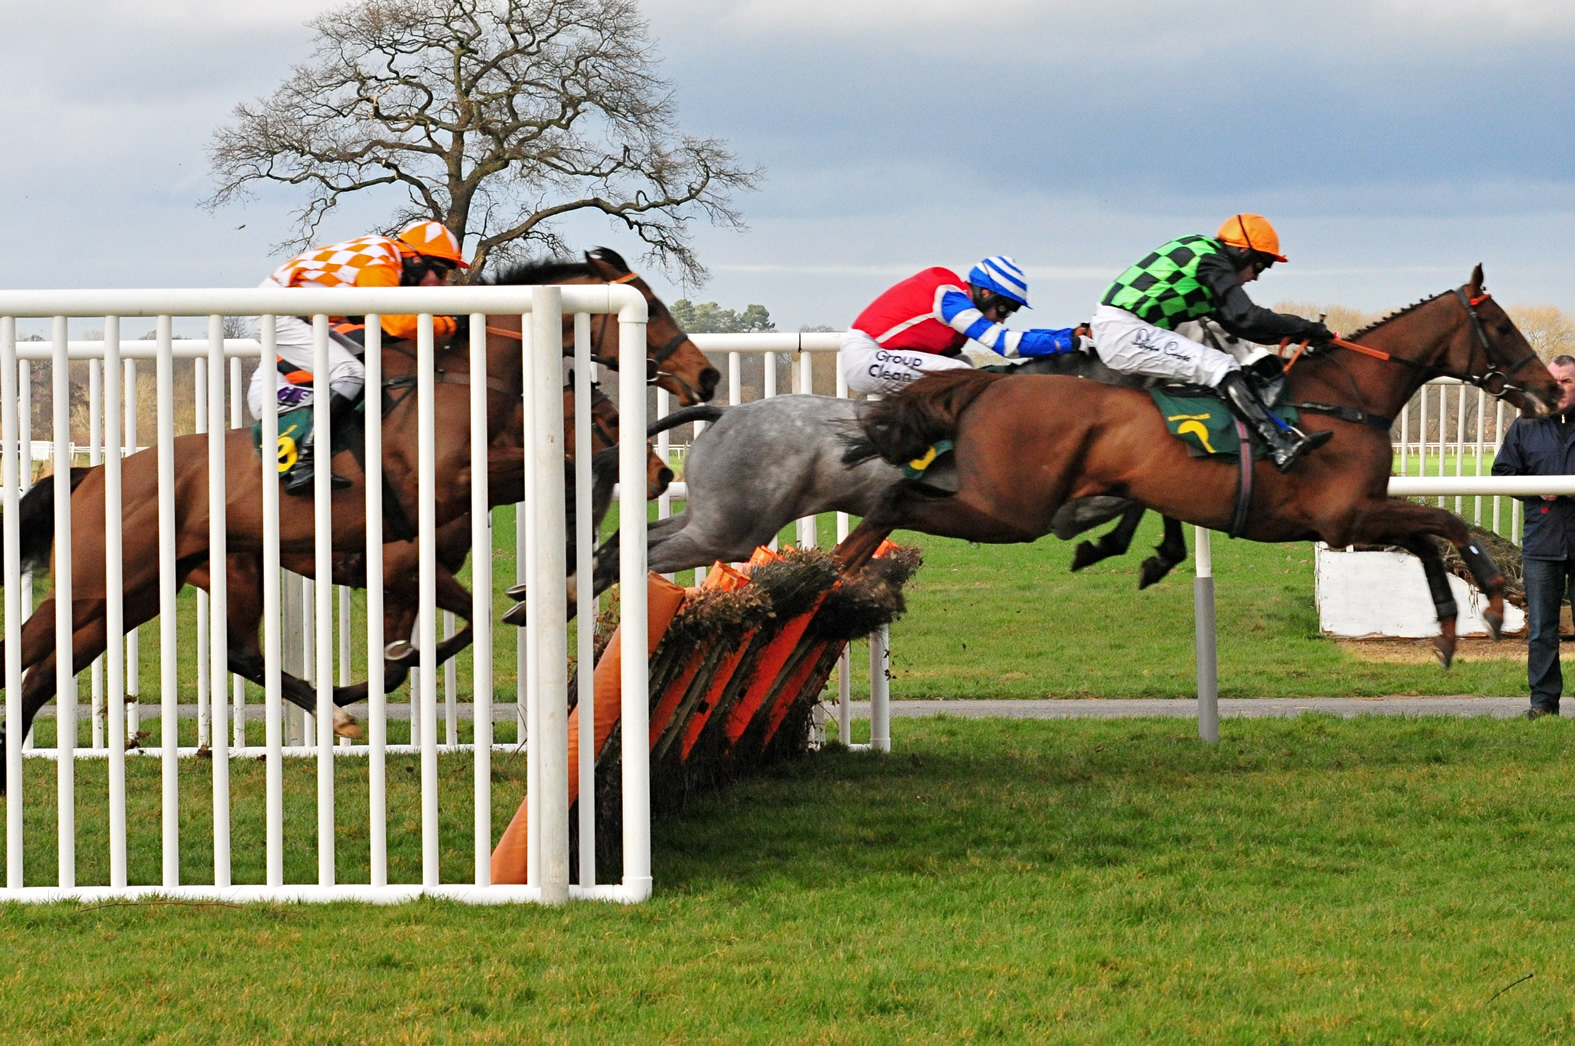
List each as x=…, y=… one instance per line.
x=495, y=117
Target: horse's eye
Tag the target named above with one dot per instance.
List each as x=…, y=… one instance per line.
x=1504, y=328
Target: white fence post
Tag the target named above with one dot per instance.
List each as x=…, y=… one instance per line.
x=1204, y=633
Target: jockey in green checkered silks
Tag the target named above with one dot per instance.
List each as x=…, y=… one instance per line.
x=1195, y=278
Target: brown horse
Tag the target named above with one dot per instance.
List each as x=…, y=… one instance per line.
x=401, y=561
x=401, y=566
x=675, y=360
x=1028, y=447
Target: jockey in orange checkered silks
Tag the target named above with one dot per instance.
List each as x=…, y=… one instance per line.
x=422, y=255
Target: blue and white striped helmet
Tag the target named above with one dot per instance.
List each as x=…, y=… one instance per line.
x=1001, y=275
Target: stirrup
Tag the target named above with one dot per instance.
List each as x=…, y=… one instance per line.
x=1286, y=457
x=302, y=482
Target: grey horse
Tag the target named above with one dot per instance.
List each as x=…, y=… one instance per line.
x=763, y=464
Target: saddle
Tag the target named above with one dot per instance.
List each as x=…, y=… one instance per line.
x=1199, y=417
x=349, y=433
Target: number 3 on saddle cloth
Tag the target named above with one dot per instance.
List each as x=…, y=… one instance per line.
x=349, y=433
x=295, y=429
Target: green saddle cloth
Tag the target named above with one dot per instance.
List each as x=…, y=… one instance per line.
x=294, y=428
x=1200, y=419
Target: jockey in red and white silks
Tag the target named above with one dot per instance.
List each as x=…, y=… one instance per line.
x=920, y=326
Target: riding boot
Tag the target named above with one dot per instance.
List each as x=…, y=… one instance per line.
x=1287, y=443
x=299, y=482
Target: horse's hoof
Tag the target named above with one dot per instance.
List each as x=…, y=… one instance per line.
x=515, y=615
x=399, y=650
x=1495, y=624
x=1086, y=555
x=1154, y=569
x=345, y=725
x=516, y=592
x=1444, y=650
x=203, y=752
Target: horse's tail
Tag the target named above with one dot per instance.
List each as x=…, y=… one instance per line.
x=36, y=522
x=683, y=416
x=903, y=427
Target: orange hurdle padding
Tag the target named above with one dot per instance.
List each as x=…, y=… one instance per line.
x=724, y=673
x=772, y=659
x=720, y=577
x=795, y=686
x=663, y=600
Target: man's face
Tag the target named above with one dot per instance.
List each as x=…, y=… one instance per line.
x=992, y=306
x=1564, y=374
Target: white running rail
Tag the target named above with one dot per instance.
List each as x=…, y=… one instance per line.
x=541, y=309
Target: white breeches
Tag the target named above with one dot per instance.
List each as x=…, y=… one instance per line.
x=1134, y=346
x=870, y=367
x=346, y=375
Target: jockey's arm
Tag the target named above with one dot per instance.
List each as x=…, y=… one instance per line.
x=1238, y=315
x=960, y=313
x=401, y=327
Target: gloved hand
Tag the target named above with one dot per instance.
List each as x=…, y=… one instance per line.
x=1046, y=343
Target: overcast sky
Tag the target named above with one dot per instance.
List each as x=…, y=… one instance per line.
x=1393, y=142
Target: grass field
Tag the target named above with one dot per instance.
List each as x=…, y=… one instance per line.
x=1011, y=621
x=1307, y=881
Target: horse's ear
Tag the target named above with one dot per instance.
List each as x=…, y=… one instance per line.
x=1476, y=281
x=605, y=260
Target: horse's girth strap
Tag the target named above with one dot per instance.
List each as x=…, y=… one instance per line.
x=1238, y=523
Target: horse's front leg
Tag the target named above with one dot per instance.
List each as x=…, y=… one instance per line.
x=1425, y=549
x=1405, y=523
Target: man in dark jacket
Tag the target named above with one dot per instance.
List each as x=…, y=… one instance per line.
x=1545, y=447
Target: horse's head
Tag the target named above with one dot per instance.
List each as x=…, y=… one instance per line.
x=604, y=436
x=657, y=474
x=675, y=364
x=1490, y=351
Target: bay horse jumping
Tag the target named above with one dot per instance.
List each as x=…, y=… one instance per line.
x=676, y=363
x=1030, y=447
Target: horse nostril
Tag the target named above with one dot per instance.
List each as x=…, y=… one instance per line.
x=665, y=476
x=709, y=378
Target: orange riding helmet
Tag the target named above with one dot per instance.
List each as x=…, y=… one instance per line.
x=1251, y=232
x=433, y=240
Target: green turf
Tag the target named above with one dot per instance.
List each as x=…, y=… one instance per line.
x=1308, y=881
x=1012, y=621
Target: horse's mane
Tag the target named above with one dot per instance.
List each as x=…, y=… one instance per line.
x=540, y=271
x=555, y=270
x=1393, y=316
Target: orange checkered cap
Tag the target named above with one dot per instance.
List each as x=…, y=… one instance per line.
x=433, y=239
